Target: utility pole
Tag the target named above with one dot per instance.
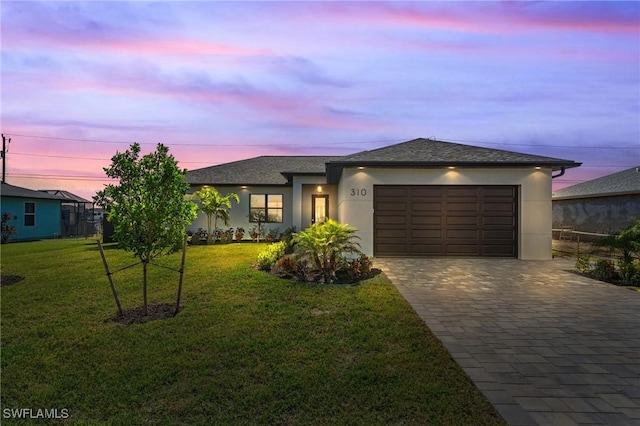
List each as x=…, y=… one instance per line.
x=5, y=140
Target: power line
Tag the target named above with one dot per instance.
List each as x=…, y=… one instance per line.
x=89, y=158
x=324, y=143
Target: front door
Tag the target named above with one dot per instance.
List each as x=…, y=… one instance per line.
x=319, y=208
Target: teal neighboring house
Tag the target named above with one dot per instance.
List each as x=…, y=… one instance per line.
x=35, y=214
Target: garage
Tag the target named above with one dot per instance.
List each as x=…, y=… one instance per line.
x=445, y=220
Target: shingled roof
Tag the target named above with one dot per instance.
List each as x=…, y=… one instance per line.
x=433, y=153
x=19, y=192
x=277, y=170
x=264, y=170
x=621, y=183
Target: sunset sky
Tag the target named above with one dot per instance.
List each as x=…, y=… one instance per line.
x=223, y=81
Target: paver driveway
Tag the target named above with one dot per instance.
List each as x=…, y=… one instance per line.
x=544, y=345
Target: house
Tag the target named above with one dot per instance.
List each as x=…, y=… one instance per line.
x=77, y=213
x=417, y=198
x=601, y=205
x=34, y=214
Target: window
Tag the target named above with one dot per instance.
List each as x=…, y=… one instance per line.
x=29, y=214
x=269, y=206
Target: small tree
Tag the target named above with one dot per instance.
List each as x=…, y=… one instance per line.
x=215, y=206
x=148, y=209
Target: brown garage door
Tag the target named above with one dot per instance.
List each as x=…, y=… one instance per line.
x=445, y=220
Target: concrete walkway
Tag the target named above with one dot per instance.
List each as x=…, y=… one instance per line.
x=544, y=345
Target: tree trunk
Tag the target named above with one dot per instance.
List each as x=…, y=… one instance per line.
x=144, y=285
x=184, y=251
x=209, y=229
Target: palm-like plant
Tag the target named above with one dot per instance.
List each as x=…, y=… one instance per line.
x=325, y=244
x=215, y=206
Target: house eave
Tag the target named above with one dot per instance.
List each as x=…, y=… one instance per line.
x=334, y=169
x=601, y=195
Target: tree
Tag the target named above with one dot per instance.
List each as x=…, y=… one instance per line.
x=215, y=206
x=147, y=208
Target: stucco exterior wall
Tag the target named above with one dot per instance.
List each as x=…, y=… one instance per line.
x=48, y=218
x=240, y=212
x=355, y=199
x=598, y=214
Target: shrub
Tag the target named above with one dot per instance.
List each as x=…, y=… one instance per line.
x=604, y=270
x=355, y=269
x=582, y=264
x=239, y=235
x=629, y=273
x=7, y=230
x=325, y=246
x=289, y=267
x=272, y=234
x=287, y=237
x=269, y=256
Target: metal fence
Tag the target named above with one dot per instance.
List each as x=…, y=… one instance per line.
x=569, y=242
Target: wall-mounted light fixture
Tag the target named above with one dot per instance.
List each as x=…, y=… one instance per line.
x=538, y=167
x=451, y=167
x=244, y=187
x=360, y=168
x=319, y=188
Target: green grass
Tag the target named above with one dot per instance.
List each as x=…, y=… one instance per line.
x=247, y=348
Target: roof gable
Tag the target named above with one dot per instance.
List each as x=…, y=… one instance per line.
x=624, y=182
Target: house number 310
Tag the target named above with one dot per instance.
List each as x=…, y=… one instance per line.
x=358, y=192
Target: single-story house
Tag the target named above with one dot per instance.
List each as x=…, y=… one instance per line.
x=417, y=198
x=601, y=205
x=34, y=214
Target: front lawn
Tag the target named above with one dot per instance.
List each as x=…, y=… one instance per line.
x=247, y=348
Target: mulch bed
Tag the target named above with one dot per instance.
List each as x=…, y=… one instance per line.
x=7, y=280
x=156, y=311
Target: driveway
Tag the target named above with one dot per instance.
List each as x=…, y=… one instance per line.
x=544, y=345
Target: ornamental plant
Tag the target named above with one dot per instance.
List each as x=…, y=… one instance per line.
x=325, y=246
x=215, y=206
x=7, y=230
x=148, y=207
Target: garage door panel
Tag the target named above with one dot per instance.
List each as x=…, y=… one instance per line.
x=426, y=191
x=506, y=235
x=506, y=221
x=453, y=207
x=463, y=220
x=436, y=220
x=461, y=192
x=498, y=207
x=426, y=233
x=417, y=206
x=498, y=191
x=426, y=220
x=469, y=234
